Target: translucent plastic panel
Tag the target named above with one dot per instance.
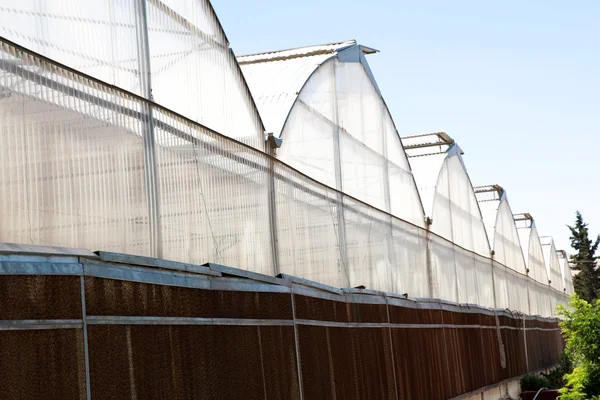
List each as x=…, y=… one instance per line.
x=443, y=269
x=213, y=196
x=501, y=284
x=307, y=220
x=363, y=173
x=72, y=160
x=507, y=247
x=309, y=145
x=516, y=289
x=368, y=244
x=195, y=74
x=485, y=281
x=455, y=213
x=409, y=260
x=95, y=37
x=534, y=254
x=310, y=132
x=541, y=299
x=565, y=270
x=360, y=109
x=466, y=276
x=339, y=131
x=552, y=264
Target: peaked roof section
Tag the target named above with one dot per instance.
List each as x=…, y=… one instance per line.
x=500, y=226
x=426, y=154
x=553, y=266
x=275, y=78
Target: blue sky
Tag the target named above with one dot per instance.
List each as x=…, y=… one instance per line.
x=515, y=83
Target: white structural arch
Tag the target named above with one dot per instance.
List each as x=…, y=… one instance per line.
x=324, y=104
x=565, y=271
x=451, y=206
x=500, y=227
x=511, y=292
x=539, y=301
x=552, y=263
x=174, y=52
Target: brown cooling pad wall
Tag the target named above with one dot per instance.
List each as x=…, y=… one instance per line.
x=42, y=364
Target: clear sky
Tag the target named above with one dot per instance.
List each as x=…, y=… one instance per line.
x=516, y=83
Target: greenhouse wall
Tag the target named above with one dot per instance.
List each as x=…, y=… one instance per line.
x=174, y=52
x=89, y=165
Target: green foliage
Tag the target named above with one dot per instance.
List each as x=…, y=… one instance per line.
x=587, y=281
x=581, y=330
x=557, y=376
x=533, y=383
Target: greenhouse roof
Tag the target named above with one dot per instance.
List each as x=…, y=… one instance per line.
x=275, y=78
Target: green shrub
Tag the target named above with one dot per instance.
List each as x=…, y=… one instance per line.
x=581, y=330
x=533, y=383
x=557, y=376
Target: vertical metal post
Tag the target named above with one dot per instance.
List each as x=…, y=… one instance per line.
x=428, y=257
x=150, y=167
x=494, y=282
x=297, y=344
x=338, y=180
x=86, y=355
x=271, y=146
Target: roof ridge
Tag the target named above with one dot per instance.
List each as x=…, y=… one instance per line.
x=297, y=52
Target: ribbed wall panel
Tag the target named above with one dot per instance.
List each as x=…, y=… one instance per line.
x=87, y=165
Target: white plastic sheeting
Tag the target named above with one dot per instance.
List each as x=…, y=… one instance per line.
x=500, y=227
x=84, y=164
x=540, y=303
x=552, y=263
x=565, y=272
x=450, y=202
x=323, y=102
x=173, y=51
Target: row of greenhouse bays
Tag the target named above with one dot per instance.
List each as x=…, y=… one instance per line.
x=345, y=205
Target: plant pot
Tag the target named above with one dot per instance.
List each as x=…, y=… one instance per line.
x=545, y=395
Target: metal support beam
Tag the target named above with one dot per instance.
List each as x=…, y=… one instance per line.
x=151, y=173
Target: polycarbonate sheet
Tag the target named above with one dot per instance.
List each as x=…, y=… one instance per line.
x=339, y=131
x=307, y=223
x=94, y=37
x=516, y=289
x=409, y=260
x=485, y=281
x=193, y=71
x=455, y=214
x=507, y=247
x=213, y=196
x=565, y=270
x=534, y=255
x=72, y=158
x=85, y=165
x=443, y=268
x=541, y=299
x=368, y=245
x=501, y=283
x=466, y=276
x=552, y=264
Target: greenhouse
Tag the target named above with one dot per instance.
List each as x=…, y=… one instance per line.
x=539, y=301
x=504, y=241
x=453, y=213
x=131, y=146
x=164, y=203
x=565, y=272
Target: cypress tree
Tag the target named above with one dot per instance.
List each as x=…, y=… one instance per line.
x=587, y=281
